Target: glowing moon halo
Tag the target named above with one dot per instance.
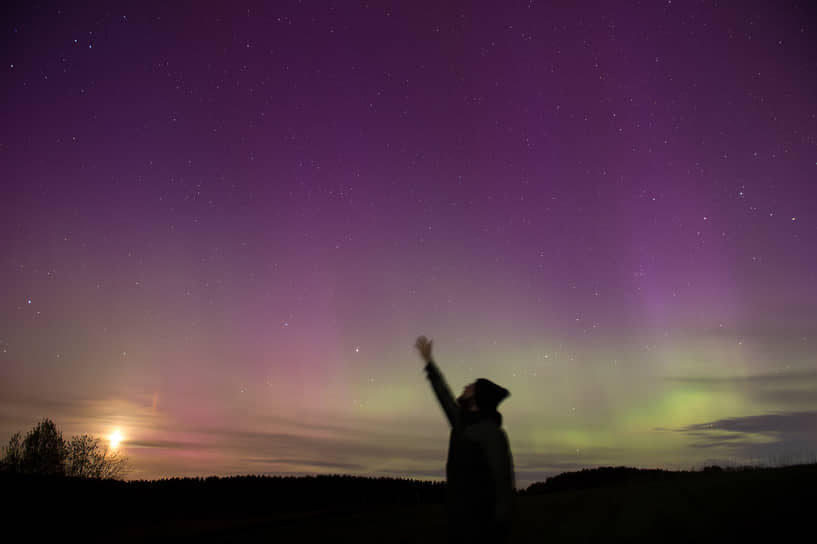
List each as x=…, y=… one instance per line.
x=115, y=439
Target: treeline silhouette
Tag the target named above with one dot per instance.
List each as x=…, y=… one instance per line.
x=290, y=493
x=43, y=450
x=244, y=495
x=593, y=505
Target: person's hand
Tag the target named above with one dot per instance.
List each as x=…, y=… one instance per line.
x=424, y=346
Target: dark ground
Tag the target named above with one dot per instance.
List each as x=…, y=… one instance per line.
x=602, y=505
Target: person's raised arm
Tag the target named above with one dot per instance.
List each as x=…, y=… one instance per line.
x=438, y=383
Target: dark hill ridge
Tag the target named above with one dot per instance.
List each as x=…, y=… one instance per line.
x=593, y=505
x=607, y=476
x=630, y=505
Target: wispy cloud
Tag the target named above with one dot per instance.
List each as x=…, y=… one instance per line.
x=759, y=436
x=164, y=444
x=799, y=422
x=303, y=462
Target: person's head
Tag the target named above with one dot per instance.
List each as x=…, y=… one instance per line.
x=482, y=395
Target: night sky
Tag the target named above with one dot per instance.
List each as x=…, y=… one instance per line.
x=224, y=226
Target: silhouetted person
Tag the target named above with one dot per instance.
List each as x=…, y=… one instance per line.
x=479, y=471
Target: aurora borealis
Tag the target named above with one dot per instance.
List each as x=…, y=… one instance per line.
x=225, y=224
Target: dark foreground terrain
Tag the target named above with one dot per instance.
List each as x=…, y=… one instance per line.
x=598, y=505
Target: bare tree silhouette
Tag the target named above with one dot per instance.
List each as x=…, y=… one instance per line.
x=44, y=451
x=86, y=458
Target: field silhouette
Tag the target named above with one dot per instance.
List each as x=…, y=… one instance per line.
x=593, y=505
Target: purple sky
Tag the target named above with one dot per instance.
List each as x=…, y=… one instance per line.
x=224, y=226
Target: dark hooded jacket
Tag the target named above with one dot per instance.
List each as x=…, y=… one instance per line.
x=479, y=471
